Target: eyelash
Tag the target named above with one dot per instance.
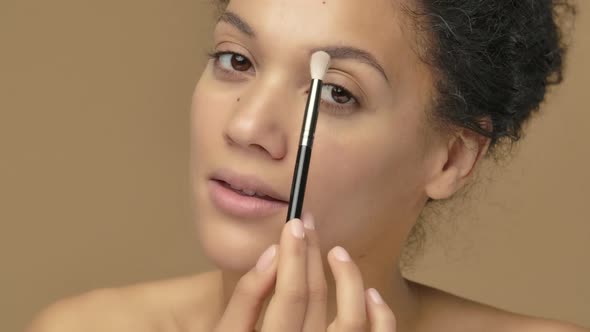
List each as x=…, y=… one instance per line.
x=335, y=107
x=215, y=57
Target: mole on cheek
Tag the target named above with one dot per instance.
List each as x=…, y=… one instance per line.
x=238, y=99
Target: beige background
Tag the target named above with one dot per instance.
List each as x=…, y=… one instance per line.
x=94, y=167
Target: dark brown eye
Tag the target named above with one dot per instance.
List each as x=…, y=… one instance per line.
x=338, y=99
x=230, y=61
x=240, y=62
x=340, y=95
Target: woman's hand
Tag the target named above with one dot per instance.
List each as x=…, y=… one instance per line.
x=300, y=299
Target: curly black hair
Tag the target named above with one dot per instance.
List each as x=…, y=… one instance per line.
x=493, y=60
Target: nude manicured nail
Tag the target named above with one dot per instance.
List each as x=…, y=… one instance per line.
x=341, y=254
x=375, y=297
x=265, y=260
x=297, y=228
x=308, y=221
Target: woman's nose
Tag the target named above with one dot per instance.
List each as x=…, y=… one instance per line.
x=260, y=120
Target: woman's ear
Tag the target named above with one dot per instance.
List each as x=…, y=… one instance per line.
x=456, y=164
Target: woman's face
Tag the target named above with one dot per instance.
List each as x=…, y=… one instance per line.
x=370, y=160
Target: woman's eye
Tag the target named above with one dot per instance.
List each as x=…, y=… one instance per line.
x=337, y=97
x=233, y=61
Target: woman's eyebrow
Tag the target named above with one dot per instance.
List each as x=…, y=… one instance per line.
x=237, y=22
x=335, y=52
x=350, y=52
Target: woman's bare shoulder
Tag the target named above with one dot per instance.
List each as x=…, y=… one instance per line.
x=163, y=305
x=443, y=311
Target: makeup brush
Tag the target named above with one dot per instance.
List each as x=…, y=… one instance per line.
x=320, y=62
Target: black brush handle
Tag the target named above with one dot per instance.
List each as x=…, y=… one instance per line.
x=299, y=182
x=304, y=151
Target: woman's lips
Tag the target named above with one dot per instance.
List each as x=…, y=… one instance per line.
x=231, y=202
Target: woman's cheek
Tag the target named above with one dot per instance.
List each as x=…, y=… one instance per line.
x=341, y=162
x=335, y=185
x=340, y=206
x=211, y=109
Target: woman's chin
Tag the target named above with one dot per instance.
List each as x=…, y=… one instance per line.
x=232, y=248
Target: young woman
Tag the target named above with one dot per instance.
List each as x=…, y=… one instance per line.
x=418, y=92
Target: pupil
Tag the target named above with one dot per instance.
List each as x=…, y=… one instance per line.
x=340, y=95
x=240, y=63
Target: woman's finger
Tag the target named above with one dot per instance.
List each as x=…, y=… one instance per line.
x=243, y=308
x=286, y=310
x=381, y=318
x=315, y=316
x=350, y=292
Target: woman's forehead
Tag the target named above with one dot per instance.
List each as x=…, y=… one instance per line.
x=371, y=25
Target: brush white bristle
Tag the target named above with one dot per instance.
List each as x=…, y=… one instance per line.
x=320, y=62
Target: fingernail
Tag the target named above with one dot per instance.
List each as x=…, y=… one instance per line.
x=297, y=228
x=265, y=260
x=341, y=254
x=375, y=297
x=308, y=221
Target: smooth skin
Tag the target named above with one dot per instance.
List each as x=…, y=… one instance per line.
x=377, y=159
